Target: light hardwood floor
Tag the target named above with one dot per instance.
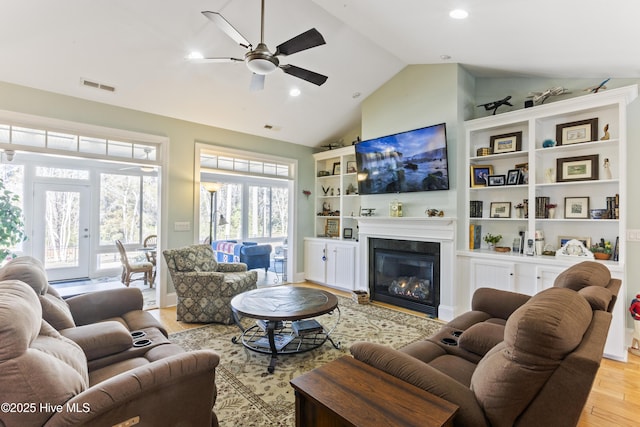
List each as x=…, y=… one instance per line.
x=614, y=398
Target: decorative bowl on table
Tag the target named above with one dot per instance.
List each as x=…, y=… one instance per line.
x=601, y=255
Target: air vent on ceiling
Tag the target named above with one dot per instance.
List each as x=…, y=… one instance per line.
x=272, y=127
x=96, y=85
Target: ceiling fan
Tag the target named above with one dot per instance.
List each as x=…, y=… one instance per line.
x=260, y=60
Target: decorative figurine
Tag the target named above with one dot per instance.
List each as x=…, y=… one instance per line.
x=607, y=169
x=540, y=97
x=595, y=89
x=495, y=104
x=548, y=143
x=606, y=133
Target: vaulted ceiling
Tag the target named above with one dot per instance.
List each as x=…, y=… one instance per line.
x=140, y=48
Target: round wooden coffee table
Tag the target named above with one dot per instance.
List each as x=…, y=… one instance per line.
x=285, y=320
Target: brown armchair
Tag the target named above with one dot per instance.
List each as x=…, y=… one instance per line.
x=513, y=360
x=205, y=287
x=47, y=374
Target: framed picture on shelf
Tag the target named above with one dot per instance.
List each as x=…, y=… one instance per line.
x=347, y=233
x=497, y=180
x=332, y=227
x=507, y=143
x=351, y=167
x=576, y=207
x=336, y=168
x=500, y=210
x=480, y=175
x=562, y=240
x=513, y=177
x=524, y=172
x=577, y=132
x=580, y=168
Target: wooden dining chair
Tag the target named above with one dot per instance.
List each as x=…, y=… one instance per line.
x=151, y=242
x=131, y=268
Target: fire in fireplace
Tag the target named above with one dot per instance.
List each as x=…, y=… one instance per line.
x=405, y=273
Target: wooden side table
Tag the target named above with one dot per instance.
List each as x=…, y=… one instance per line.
x=347, y=392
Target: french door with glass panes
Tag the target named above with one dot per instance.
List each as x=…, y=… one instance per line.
x=61, y=228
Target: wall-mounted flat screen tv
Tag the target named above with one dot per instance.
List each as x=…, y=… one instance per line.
x=415, y=160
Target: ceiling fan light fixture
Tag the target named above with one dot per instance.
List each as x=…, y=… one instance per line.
x=261, y=66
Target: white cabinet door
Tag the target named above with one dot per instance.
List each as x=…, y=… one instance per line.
x=492, y=274
x=315, y=260
x=546, y=276
x=341, y=265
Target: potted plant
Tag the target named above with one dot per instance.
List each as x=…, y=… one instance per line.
x=492, y=240
x=551, y=210
x=11, y=225
x=601, y=250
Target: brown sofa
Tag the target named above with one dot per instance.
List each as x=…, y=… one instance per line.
x=513, y=359
x=100, y=322
x=46, y=380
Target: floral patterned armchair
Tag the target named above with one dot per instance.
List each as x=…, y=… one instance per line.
x=205, y=287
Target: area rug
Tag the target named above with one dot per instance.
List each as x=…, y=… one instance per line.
x=249, y=396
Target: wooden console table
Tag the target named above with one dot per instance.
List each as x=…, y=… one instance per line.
x=347, y=392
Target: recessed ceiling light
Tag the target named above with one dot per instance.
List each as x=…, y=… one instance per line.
x=445, y=57
x=458, y=14
x=294, y=92
x=195, y=55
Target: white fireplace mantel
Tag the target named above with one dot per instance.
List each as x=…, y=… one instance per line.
x=431, y=229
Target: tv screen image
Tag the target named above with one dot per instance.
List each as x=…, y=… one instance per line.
x=410, y=161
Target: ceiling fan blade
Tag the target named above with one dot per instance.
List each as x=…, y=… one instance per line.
x=227, y=28
x=306, y=40
x=215, y=60
x=257, y=82
x=301, y=73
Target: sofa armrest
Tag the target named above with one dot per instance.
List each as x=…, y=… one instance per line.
x=100, y=339
x=177, y=390
x=97, y=306
x=420, y=374
x=496, y=302
x=231, y=267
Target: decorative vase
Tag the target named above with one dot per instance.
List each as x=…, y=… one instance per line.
x=519, y=212
x=601, y=255
x=552, y=212
x=492, y=246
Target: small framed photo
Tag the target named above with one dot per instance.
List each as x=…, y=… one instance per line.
x=577, y=132
x=497, y=180
x=480, y=175
x=351, y=167
x=562, y=240
x=524, y=172
x=580, y=168
x=576, y=207
x=336, y=168
x=506, y=143
x=500, y=210
x=347, y=233
x=332, y=227
x=513, y=176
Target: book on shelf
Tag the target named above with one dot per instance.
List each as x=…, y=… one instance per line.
x=306, y=327
x=264, y=323
x=475, y=208
x=475, y=232
x=281, y=341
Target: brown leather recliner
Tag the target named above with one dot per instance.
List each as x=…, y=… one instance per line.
x=46, y=380
x=514, y=359
x=101, y=322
